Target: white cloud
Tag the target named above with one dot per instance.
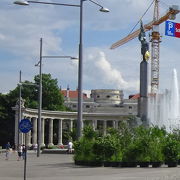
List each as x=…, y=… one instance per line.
x=22, y=27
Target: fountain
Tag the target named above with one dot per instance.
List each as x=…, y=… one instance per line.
x=164, y=107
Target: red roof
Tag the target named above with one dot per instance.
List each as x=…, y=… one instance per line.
x=72, y=94
x=135, y=96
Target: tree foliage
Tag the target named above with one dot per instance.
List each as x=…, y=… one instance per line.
x=52, y=99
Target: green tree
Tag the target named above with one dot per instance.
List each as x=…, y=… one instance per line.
x=52, y=100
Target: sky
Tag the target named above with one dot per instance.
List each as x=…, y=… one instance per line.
x=21, y=28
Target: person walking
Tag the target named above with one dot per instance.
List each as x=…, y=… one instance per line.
x=70, y=146
x=8, y=146
x=19, y=152
x=23, y=151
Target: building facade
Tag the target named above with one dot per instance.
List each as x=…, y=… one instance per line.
x=105, y=108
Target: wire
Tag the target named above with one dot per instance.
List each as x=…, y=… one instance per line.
x=141, y=17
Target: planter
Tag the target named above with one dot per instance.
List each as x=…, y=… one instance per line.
x=94, y=163
x=115, y=164
x=172, y=164
x=107, y=164
x=89, y=163
x=144, y=164
x=129, y=164
x=79, y=162
x=156, y=164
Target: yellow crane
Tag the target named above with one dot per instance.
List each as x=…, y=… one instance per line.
x=155, y=40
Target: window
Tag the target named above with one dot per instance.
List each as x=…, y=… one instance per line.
x=74, y=105
x=87, y=106
x=108, y=96
x=130, y=107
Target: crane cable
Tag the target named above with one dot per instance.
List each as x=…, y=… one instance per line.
x=141, y=17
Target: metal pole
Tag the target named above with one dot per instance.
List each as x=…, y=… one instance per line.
x=40, y=102
x=80, y=71
x=25, y=156
x=19, y=108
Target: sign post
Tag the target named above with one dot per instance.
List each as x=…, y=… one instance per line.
x=25, y=126
x=172, y=29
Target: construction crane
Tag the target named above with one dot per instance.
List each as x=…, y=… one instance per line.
x=155, y=40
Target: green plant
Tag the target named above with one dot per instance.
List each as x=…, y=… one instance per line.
x=89, y=133
x=130, y=154
x=83, y=147
x=171, y=148
x=156, y=144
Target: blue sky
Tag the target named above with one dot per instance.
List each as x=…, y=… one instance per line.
x=22, y=27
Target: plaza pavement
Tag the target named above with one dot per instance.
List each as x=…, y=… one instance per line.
x=61, y=167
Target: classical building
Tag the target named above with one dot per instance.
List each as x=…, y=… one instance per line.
x=105, y=108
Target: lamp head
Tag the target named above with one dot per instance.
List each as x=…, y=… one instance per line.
x=21, y=2
x=74, y=58
x=104, y=9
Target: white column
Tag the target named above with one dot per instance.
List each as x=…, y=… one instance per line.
x=50, y=139
x=117, y=125
x=42, y=132
x=94, y=124
x=21, y=135
x=28, y=137
x=16, y=128
x=70, y=124
x=104, y=127
x=60, y=132
x=34, y=131
x=114, y=124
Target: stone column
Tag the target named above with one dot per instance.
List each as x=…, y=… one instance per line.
x=50, y=139
x=27, y=136
x=94, y=124
x=70, y=124
x=34, y=131
x=104, y=127
x=16, y=130
x=21, y=135
x=42, y=132
x=114, y=124
x=60, y=132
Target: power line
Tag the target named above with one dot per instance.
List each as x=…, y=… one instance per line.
x=142, y=17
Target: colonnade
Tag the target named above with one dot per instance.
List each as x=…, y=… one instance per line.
x=65, y=120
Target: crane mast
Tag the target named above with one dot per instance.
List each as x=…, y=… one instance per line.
x=155, y=40
x=155, y=47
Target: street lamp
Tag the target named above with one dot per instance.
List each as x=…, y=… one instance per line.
x=39, y=140
x=20, y=84
x=80, y=68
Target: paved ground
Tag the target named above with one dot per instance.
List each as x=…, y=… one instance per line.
x=61, y=167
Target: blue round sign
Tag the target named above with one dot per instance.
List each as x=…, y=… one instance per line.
x=25, y=125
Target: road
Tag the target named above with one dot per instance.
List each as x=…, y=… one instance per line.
x=61, y=167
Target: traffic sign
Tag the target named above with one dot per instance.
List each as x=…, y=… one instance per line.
x=172, y=29
x=25, y=125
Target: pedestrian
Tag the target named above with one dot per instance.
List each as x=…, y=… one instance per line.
x=8, y=146
x=23, y=151
x=70, y=146
x=35, y=147
x=19, y=152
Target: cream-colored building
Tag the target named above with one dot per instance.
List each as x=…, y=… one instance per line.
x=105, y=108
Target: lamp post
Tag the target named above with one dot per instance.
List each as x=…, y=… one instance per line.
x=80, y=67
x=18, y=139
x=39, y=138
